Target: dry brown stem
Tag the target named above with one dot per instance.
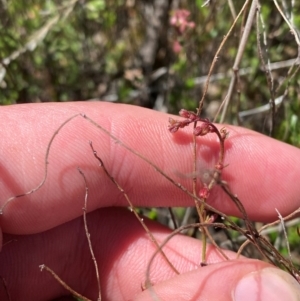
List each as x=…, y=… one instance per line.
x=61, y=282
x=132, y=209
x=88, y=235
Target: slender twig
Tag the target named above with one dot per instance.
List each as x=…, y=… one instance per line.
x=296, y=212
x=178, y=185
x=159, y=170
x=232, y=9
x=199, y=207
x=285, y=234
x=88, y=235
x=213, y=242
x=187, y=214
x=263, y=229
x=292, y=28
x=215, y=59
x=173, y=218
x=244, y=71
x=266, y=67
x=132, y=208
x=148, y=283
x=61, y=282
x=165, y=175
x=290, y=74
x=270, y=251
x=45, y=166
x=239, y=55
x=271, y=229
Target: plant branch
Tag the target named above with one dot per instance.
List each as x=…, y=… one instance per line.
x=88, y=235
x=61, y=282
x=45, y=166
x=215, y=59
x=239, y=55
x=132, y=209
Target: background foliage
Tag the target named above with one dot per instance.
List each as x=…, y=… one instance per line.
x=124, y=51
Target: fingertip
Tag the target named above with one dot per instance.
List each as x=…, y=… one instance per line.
x=232, y=280
x=267, y=284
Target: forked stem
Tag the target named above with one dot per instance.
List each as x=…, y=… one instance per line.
x=88, y=235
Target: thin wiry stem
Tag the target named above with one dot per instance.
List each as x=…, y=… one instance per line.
x=88, y=235
x=132, y=209
x=61, y=282
x=239, y=54
x=173, y=218
x=159, y=170
x=45, y=165
x=292, y=28
x=285, y=234
x=199, y=207
x=148, y=283
x=262, y=230
x=266, y=67
x=215, y=59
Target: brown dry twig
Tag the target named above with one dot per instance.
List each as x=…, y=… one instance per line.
x=131, y=207
x=45, y=166
x=60, y=281
x=88, y=236
x=148, y=283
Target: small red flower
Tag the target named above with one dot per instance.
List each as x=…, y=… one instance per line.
x=179, y=20
x=203, y=129
x=204, y=192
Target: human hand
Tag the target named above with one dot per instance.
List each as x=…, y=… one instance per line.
x=47, y=228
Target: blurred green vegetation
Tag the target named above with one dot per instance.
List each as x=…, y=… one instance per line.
x=80, y=50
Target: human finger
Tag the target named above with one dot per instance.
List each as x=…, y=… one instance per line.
x=261, y=171
x=123, y=251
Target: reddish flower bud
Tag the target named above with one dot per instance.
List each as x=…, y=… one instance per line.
x=212, y=218
x=189, y=115
x=203, y=129
x=184, y=113
x=173, y=129
x=172, y=121
x=204, y=192
x=224, y=133
x=184, y=123
x=219, y=166
x=179, y=20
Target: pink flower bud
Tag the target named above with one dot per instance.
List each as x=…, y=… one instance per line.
x=184, y=123
x=179, y=20
x=204, y=192
x=212, y=218
x=173, y=128
x=219, y=166
x=184, y=113
x=203, y=129
x=190, y=115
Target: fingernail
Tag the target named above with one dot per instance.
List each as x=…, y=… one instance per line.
x=267, y=284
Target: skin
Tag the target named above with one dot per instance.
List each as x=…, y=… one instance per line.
x=47, y=226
